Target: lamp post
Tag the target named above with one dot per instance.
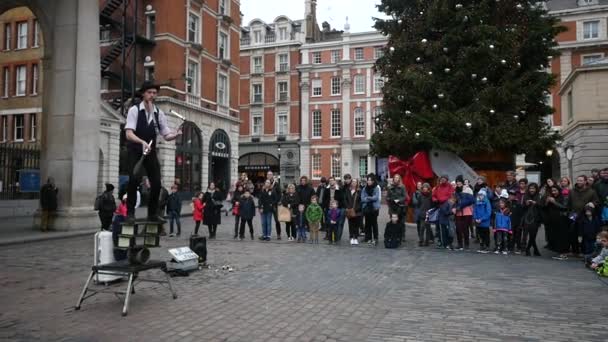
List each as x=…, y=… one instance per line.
x=279, y=153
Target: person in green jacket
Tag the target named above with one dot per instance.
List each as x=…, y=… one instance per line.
x=314, y=216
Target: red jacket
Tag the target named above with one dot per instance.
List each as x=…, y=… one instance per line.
x=122, y=209
x=442, y=193
x=197, y=213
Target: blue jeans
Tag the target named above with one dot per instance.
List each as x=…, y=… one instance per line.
x=174, y=217
x=445, y=238
x=267, y=224
x=302, y=233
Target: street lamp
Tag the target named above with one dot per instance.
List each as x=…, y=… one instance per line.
x=549, y=153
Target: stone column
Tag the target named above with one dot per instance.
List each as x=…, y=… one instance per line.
x=71, y=102
x=305, y=126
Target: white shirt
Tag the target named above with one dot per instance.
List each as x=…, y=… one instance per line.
x=134, y=112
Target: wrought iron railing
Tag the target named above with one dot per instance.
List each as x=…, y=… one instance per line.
x=19, y=171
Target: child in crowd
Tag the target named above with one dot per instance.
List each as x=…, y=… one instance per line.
x=247, y=213
x=502, y=226
x=504, y=195
x=300, y=222
x=314, y=217
x=392, y=232
x=599, y=260
x=446, y=212
x=588, y=227
x=333, y=218
x=482, y=214
x=197, y=211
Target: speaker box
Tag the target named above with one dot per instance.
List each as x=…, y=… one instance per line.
x=198, y=244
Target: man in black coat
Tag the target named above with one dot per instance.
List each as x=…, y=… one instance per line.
x=107, y=207
x=174, y=210
x=48, y=204
x=305, y=191
x=277, y=193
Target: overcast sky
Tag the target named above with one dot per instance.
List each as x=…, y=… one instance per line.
x=359, y=12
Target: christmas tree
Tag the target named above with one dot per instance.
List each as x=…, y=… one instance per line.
x=465, y=76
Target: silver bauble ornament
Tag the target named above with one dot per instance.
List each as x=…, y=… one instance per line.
x=468, y=124
x=447, y=70
x=424, y=41
x=441, y=96
x=458, y=6
x=484, y=80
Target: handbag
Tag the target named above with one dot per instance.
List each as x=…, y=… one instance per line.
x=284, y=214
x=432, y=215
x=351, y=213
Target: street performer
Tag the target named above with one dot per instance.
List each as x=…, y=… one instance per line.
x=144, y=122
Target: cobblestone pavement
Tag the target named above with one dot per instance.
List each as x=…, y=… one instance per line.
x=284, y=291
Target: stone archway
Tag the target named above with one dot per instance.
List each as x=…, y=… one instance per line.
x=71, y=104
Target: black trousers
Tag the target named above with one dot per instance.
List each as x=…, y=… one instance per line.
x=197, y=225
x=354, y=224
x=277, y=223
x=152, y=167
x=242, y=228
x=237, y=221
x=484, y=237
x=290, y=228
x=212, y=230
x=532, y=231
x=371, y=226
x=106, y=220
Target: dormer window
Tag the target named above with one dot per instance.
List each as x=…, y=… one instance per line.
x=588, y=2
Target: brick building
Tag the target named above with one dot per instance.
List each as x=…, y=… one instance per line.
x=190, y=48
x=21, y=77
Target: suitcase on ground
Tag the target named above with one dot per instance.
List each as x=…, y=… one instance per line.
x=104, y=254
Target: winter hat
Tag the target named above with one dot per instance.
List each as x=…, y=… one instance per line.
x=467, y=190
x=109, y=187
x=460, y=179
x=482, y=192
x=426, y=185
x=504, y=194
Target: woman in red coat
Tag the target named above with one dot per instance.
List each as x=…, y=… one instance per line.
x=197, y=211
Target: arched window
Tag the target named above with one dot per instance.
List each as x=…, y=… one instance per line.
x=219, y=160
x=188, y=158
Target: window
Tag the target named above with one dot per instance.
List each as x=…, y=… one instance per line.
x=6, y=81
x=223, y=46
x=378, y=111
x=283, y=91
x=257, y=93
x=317, y=173
x=359, y=122
x=21, y=80
x=36, y=34
x=283, y=62
x=8, y=35
x=359, y=54
x=591, y=29
x=34, y=88
x=317, y=88
x=316, y=58
x=4, y=128
x=378, y=83
x=336, y=123
x=283, y=33
x=22, y=35
x=149, y=73
x=378, y=52
x=33, y=127
x=256, y=124
x=222, y=91
x=257, y=36
x=193, y=29
x=150, y=26
x=105, y=33
x=336, y=166
x=570, y=106
x=316, y=124
x=336, y=87
x=257, y=65
x=359, y=84
x=588, y=59
x=282, y=126
x=222, y=8
x=363, y=167
x=192, y=82
x=18, y=127
x=335, y=56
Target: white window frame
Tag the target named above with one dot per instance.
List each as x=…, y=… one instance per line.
x=378, y=83
x=149, y=71
x=22, y=36
x=315, y=165
x=258, y=37
x=285, y=92
x=223, y=53
x=223, y=101
x=226, y=7
x=36, y=42
x=597, y=32
x=4, y=128
x=280, y=30
x=261, y=93
x=336, y=165
x=597, y=56
x=336, y=123
x=317, y=124
x=359, y=84
x=151, y=26
x=8, y=36
x=283, y=66
x=255, y=70
x=316, y=57
x=16, y=128
x=197, y=28
x=378, y=52
x=19, y=80
x=33, y=123
x=282, y=130
x=359, y=122
x=361, y=56
x=193, y=80
x=336, y=86
x=35, y=76
x=336, y=55
x=260, y=130
x=363, y=161
x=105, y=34
x=317, y=84
x=6, y=84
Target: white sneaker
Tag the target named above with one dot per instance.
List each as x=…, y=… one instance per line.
x=356, y=241
x=352, y=242
x=505, y=253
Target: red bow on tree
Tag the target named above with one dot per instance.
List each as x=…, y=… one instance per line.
x=416, y=169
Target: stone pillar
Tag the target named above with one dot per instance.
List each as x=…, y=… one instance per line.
x=71, y=102
x=305, y=126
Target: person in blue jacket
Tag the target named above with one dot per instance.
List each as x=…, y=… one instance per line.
x=482, y=214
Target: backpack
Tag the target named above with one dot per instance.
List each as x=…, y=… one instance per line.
x=98, y=202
